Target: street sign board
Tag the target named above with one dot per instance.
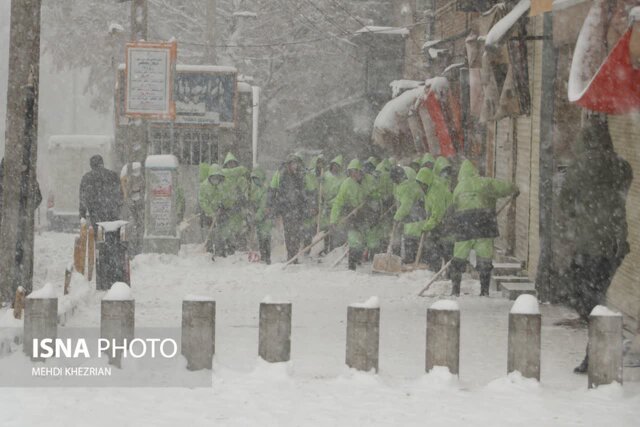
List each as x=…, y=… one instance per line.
x=149, y=72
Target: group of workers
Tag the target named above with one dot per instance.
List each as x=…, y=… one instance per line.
x=370, y=206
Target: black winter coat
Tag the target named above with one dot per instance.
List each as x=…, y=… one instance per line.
x=100, y=195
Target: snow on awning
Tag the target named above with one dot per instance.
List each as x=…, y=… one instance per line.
x=399, y=86
x=397, y=108
x=399, y=31
x=499, y=31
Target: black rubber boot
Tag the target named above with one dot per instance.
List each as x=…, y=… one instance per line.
x=583, y=367
x=484, y=268
x=265, y=249
x=455, y=274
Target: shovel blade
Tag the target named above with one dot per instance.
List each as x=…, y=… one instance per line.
x=387, y=264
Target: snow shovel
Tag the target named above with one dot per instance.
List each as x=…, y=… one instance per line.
x=344, y=254
x=387, y=263
x=416, y=263
x=320, y=237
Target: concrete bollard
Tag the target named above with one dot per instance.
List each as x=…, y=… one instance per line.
x=363, y=335
x=525, y=324
x=117, y=320
x=274, y=341
x=443, y=336
x=40, y=319
x=605, y=347
x=198, y=344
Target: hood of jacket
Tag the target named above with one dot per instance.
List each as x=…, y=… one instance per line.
x=440, y=165
x=425, y=176
x=215, y=169
x=427, y=158
x=467, y=170
x=230, y=158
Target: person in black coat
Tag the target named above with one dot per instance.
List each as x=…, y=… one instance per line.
x=100, y=193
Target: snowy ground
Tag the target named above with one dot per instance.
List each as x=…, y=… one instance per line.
x=315, y=388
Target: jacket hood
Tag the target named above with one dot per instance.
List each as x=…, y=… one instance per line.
x=230, y=158
x=441, y=164
x=467, y=170
x=315, y=160
x=338, y=160
x=425, y=176
x=384, y=166
x=259, y=173
x=293, y=157
x=96, y=162
x=355, y=165
x=427, y=158
x=215, y=169
x=409, y=172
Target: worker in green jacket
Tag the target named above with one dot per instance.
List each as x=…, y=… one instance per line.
x=261, y=222
x=427, y=161
x=443, y=170
x=369, y=165
x=313, y=186
x=408, y=196
x=210, y=198
x=354, y=192
x=475, y=223
x=333, y=179
x=438, y=246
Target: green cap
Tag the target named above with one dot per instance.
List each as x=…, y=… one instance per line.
x=338, y=160
x=355, y=165
x=215, y=169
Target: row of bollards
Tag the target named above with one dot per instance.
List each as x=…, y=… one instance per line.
x=363, y=333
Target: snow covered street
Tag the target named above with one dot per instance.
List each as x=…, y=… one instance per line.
x=316, y=388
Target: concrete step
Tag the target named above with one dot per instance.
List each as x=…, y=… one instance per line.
x=512, y=290
x=507, y=269
x=497, y=281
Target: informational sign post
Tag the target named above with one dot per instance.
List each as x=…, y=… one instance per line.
x=150, y=71
x=160, y=219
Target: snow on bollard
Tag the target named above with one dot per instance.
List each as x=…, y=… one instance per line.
x=117, y=321
x=443, y=336
x=363, y=335
x=605, y=347
x=198, y=331
x=40, y=319
x=524, y=337
x=274, y=340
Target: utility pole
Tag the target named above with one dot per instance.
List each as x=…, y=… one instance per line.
x=19, y=182
x=210, y=54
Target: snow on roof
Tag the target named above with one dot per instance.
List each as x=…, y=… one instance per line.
x=114, y=27
x=445, y=304
x=119, y=291
x=398, y=86
x=245, y=14
x=434, y=53
x=589, y=49
x=525, y=304
x=502, y=27
x=495, y=7
x=244, y=87
x=80, y=141
x=47, y=291
x=437, y=84
x=430, y=43
x=398, y=106
x=111, y=226
x=601, y=310
x=372, y=302
x=206, y=68
x=400, y=31
x=453, y=66
x=162, y=161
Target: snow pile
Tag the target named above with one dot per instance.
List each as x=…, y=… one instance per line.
x=525, y=304
x=47, y=291
x=399, y=86
x=162, y=161
x=383, y=30
x=119, y=291
x=111, y=226
x=587, y=55
x=439, y=85
x=601, y=310
x=445, y=304
x=503, y=26
x=634, y=15
x=268, y=300
x=372, y=302
x=192, y=297
x=396, y=109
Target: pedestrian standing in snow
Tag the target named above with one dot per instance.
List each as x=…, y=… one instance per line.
x=409, y=197
x=475, y=223
x=313, y=184
x=287, y=199
x=333, y=179
x=593, y=197
x=101, y=195
x=261, y=223
x=236, y=206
